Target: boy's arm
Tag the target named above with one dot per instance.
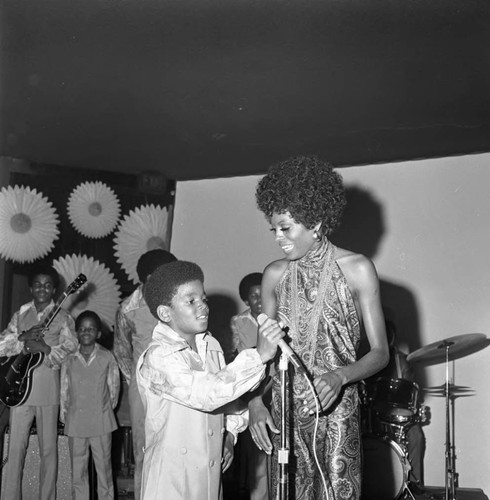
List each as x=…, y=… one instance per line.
x=113, y=380
x=122, y=349
x=9, y=343
x=64, y=394
x=235, y=338
x=67, y=344
x=171, y=377
x=236, y=418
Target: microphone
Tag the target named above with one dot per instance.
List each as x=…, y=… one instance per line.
x=286, y=350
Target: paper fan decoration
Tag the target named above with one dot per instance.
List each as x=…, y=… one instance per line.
x=146, y=228
x=101, y=292
x=93, y=209
x=28, y=224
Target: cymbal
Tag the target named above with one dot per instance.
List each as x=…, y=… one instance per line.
x=451, y=396
x=452, y=387
x=458, y=347
x=455, y=391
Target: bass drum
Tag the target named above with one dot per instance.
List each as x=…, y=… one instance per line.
x=385, y=469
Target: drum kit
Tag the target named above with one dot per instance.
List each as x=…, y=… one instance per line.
x=390, y=407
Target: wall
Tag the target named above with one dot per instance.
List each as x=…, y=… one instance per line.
x=56, y=183
x=425, y=224
x=6, y=164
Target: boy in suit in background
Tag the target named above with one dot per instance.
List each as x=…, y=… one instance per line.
x=253, y=462
x=89, y=394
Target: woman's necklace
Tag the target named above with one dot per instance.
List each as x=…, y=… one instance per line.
x=312, y=323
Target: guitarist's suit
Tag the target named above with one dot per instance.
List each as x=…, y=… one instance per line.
x=43, y=401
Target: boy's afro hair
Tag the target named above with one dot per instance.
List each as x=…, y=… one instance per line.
x=149, y=261
x=306, y=187
x=88, y=314
x=163, y=283
x=250, y=280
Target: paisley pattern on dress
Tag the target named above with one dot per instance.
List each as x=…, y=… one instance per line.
x=325, y=335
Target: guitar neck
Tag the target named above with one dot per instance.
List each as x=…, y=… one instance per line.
x=52, y=314
x=72, y=287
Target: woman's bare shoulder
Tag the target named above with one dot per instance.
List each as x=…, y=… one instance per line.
x=276, y=269
x=353, y=263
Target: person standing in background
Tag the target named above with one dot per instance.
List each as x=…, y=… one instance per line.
x=244, y=326
x=132, y=335
x=399, y=368
x=89, y=393
x=25, y=333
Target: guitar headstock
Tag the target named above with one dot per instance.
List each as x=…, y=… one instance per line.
x=79, y=281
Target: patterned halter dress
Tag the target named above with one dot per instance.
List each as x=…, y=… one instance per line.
x=315, y=302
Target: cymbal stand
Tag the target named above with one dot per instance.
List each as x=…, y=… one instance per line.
x=453, y=446
x=450, y=493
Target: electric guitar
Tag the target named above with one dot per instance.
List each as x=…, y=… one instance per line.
x=16, y=371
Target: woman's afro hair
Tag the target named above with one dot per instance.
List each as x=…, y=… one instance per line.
x=306, y=187
x=164, y=282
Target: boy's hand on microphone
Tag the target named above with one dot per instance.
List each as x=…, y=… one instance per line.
x=270, y=333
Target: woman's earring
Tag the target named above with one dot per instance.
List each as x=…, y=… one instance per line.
x=317, y=236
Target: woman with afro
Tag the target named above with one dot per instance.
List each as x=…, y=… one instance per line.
x=326, y=296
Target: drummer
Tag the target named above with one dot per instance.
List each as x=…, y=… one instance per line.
x=399, y=368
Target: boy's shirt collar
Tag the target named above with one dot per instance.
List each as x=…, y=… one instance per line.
x=171, y=341
x=135, y=300
x=92, y=355
x=248, y=313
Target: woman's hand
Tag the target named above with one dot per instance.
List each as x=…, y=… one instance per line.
x=228, y=451
x=259, y=419
x=327, y=387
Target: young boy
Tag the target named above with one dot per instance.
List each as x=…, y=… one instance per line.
x=132, y=335
x=253, y=462
x=184, y=384
x=244, y=325
x=89, y=394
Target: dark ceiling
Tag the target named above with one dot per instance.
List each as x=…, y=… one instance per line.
x=207, y=88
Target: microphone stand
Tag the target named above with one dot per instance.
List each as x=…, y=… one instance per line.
x=283, y=452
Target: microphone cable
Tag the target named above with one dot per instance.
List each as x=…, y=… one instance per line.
x=315, y=433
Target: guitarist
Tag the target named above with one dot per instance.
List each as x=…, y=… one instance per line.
x=26, y=333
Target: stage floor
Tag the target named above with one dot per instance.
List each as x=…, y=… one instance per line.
x=439, y=493
x=232, y=492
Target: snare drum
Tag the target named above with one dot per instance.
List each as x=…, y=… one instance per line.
x=395, y=400
x=385, y=469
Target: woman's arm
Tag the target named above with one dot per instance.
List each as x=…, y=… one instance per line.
x=363, y=283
